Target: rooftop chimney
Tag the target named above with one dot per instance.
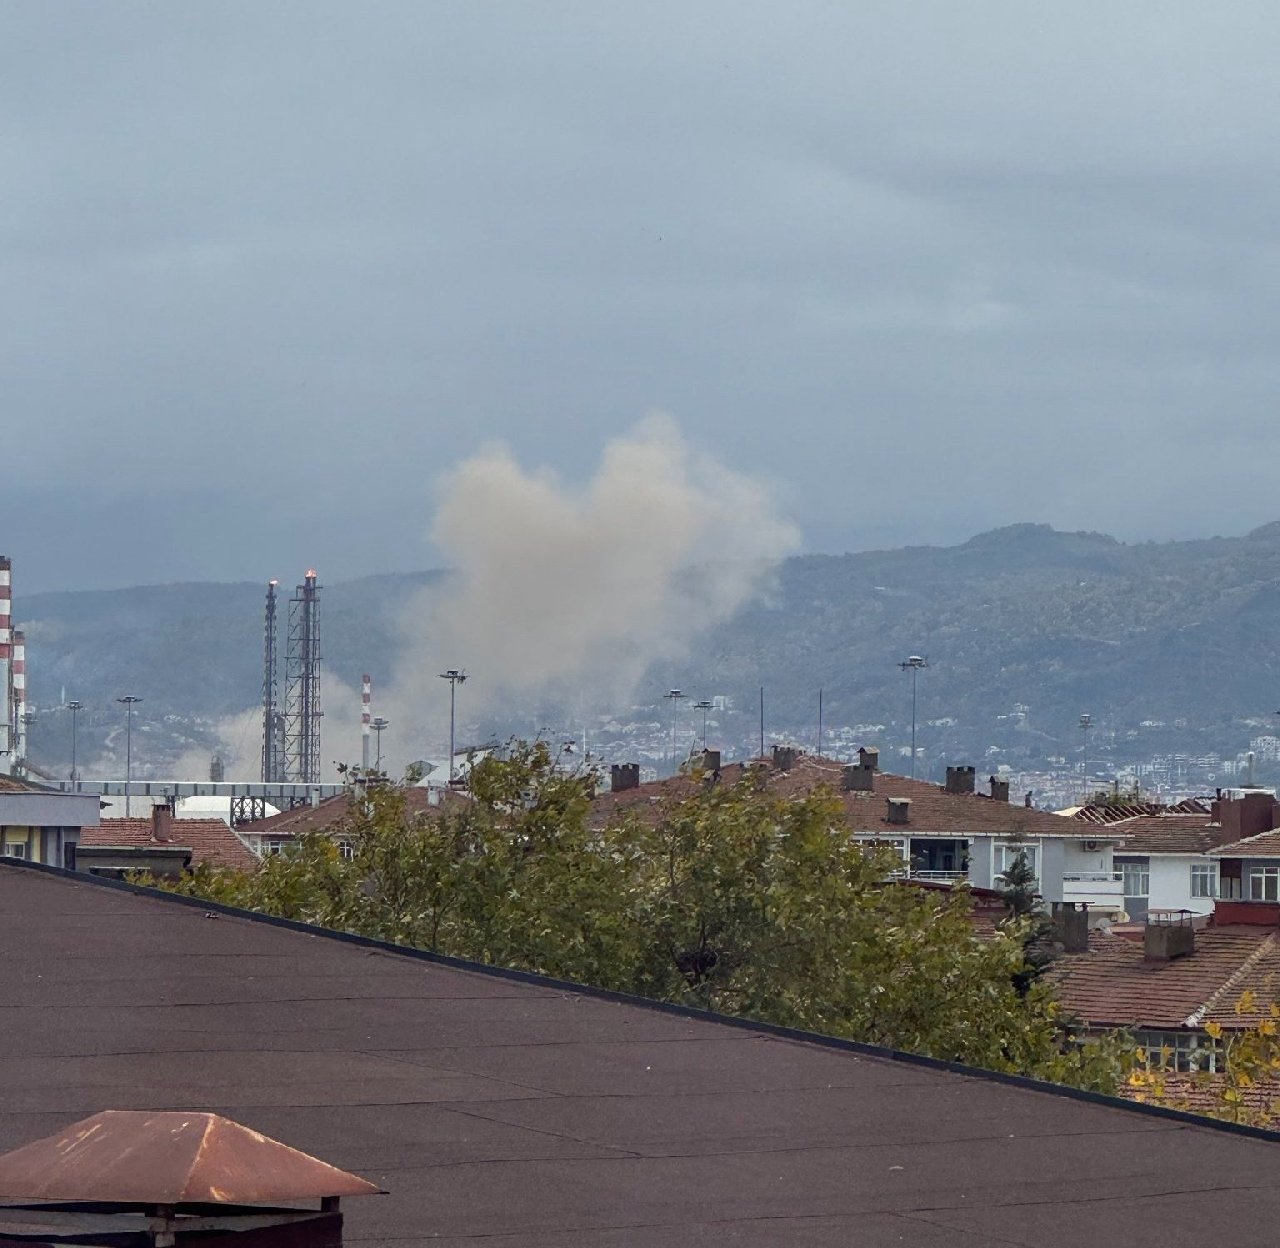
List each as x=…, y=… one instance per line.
x=711, y=761
x=858, y=778
x=1245, y=815
x=162, y=822
x=1071, y=925
x=624, y=776
x=869, y=756
x=898, y=810
x=784, y=757
x=1169, y=934
x=999, y=789
x=960, y=780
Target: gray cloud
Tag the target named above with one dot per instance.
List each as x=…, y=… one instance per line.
x=266, y=270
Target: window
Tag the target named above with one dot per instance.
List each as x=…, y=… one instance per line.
x=1264, y=883
x=15, y=849
x=1137, y=879
x=273, y=847
x=1007, y=855
x=346, y=849
x=1204, y=880
x=1183, y=1051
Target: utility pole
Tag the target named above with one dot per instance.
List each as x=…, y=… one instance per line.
x=913, y=664
x=819, y=723
x=761, y=721
x=129, y=703
x=455, y=677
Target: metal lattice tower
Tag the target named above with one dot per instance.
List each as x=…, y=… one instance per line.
x=272, y=721
x=302, y=685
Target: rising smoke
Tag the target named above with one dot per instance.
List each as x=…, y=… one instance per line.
x=562, y=591
x=560, y=594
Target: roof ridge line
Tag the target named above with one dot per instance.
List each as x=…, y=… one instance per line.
x=1196, y=1017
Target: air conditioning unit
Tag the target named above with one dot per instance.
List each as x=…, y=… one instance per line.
x=1092, y=847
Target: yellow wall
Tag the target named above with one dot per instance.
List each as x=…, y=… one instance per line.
x=30, y=837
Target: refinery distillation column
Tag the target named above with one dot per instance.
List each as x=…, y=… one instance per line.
x=272, y=724
x=302, y=685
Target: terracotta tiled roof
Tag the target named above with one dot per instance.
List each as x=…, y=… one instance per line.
x=1166, y=834
x=1113, y=985
x=1263, y=845
x=15, y=784
x=210, y=840
x=326, y=815
x=933, y=810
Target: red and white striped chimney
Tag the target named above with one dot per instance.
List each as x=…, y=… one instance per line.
x=366, y=720
x=20, y=697
x=6, y=668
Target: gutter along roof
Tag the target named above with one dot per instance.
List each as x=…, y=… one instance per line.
x=503, y=1109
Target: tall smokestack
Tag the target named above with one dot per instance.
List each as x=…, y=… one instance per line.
x=9, y=720
x=20, y=701
x=366, y=719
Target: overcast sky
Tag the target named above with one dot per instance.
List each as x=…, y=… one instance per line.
x=267, y=269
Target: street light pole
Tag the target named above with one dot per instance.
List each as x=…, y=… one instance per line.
x=913, y=664
x=129, y=702
x=378, y=724
x=704, y=705
x=74, y=706
x=455, y=677
x=674, y=696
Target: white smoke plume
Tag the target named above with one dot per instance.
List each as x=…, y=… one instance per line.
x=565, y=590
x=562, y=593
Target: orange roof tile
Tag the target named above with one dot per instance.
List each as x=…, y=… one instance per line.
x=933, y=812
x=1166, y=834
x=1262, y=845
x=1113, y=984
x=210, y=840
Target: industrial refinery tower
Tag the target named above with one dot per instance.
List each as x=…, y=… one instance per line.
x=272, y=720
x=302, y=685
x=291, y=737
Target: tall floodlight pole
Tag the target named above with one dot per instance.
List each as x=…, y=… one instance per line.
x=129, y=703
x=378, y=724
x=455, y=677
x=913, y=664
x=703, y=705
x=1086, y=722
x=674, y=696
x=74, y=706
x=819, y=723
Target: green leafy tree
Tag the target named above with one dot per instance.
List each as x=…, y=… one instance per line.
x=727, y=897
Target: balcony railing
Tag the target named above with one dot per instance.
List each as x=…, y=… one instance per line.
x=940, y=877
x=1099, y=888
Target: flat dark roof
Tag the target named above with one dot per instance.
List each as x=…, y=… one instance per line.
x=499, y=1112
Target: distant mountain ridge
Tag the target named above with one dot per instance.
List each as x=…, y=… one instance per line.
x=1024, y=616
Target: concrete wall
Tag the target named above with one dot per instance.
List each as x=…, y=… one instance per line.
x=38, y=809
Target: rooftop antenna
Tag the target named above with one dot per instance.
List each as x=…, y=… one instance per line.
x=913, y=664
